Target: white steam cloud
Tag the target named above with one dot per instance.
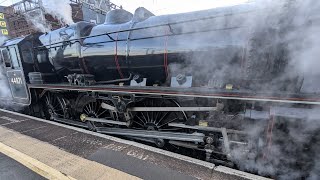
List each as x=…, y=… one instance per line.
x=4, y=86
x=281, y=45
x=38, y=21
x=2, y=39
x=295, y=148
x=60, y=9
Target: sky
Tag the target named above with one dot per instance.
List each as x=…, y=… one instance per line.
x=159, y=7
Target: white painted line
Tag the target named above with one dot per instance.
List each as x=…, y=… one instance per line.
x=60, y=138
x=33, y=129
x=245, y=175
x=131, y=143
x=13, y=122
x=33, y=164
x=9, y=119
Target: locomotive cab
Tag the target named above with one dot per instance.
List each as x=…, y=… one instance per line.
x=18, y=62
x=13, y=73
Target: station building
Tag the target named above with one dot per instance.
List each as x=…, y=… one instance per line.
x=17, y=18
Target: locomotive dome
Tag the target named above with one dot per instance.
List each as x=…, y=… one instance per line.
x=141, y=14
x=118, y=16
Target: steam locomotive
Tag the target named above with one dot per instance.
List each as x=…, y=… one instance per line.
x=198, y=80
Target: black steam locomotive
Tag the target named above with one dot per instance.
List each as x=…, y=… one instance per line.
x=198, y=80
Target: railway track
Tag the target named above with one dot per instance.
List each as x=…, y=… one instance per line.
x=42, y=129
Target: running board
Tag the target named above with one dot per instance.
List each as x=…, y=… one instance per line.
x=161, y=109
x=196, y=137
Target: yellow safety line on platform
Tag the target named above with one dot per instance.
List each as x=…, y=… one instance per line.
x=33, y=164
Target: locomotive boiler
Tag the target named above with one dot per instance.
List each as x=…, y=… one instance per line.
x=148, y=46
x=227, y=83
x=213, y=46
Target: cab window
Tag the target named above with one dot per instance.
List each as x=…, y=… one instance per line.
x=27, y=56
x=42, y=56
x=6, y=57
x=14, y=58
x=1, y=58
x=27, y=53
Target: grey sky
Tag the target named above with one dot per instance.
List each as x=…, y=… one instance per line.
x=159, y=7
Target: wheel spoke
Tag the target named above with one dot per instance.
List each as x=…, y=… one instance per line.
x=94, y=106
x=149, y=119
x=141, y=120
x=53, y=100
x=94, y=110
x=139, y=124
x=162, y=118
x=99, y=108
x=47, y=100
x=146, y=120
x=157, y=114
x=156, y=117
x=152, y=118
x=57, y=105
x=102, y=113
x=86, y=112
x=157, y=120
x=89, y=107
x=168, y=122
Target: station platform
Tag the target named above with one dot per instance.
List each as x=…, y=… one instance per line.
x=41, y=149
x=11, y=169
